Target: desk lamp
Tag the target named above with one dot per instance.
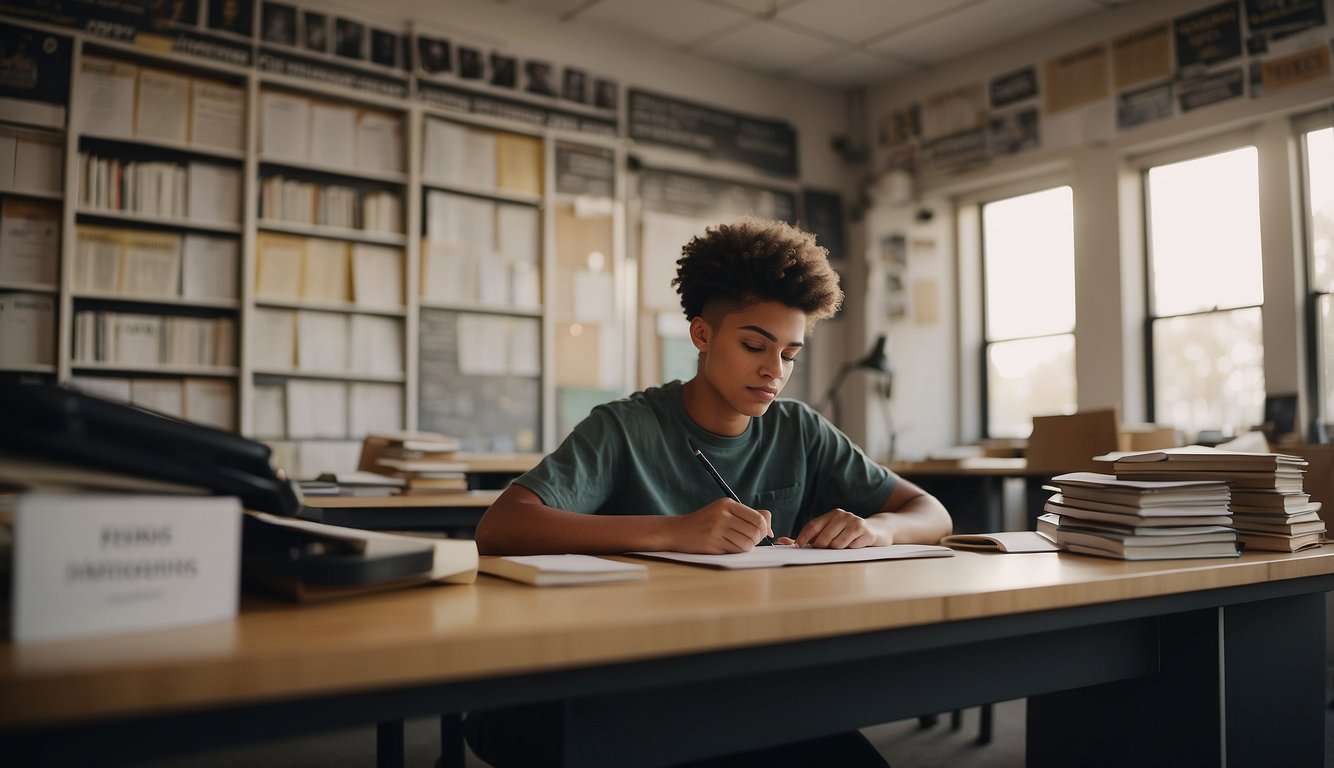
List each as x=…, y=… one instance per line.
x=876, y=360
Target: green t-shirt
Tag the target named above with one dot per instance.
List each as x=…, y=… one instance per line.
x=633, y=457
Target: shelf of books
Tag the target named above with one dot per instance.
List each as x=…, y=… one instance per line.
x=158, y=151
x=301, y=247
x=328, y=325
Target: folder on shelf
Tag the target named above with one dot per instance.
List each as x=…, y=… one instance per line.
x=214, y=193
x=151, y=264
x=209, y=267
x=162, y=109
x=519, y=164
x=217, y=113
x=377, y=276
x=326, y=274
x=279, y=263
x=379, y=142
x=333, y=134
x=29, y=241
x=284, y=121
x=105, y=97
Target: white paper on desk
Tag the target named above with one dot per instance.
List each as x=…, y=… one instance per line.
x=780, y=555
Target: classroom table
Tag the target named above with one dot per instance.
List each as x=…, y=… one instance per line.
x=973, y=489
x=1182, y=662
x=455, y=513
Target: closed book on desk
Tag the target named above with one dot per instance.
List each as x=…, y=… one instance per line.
x=560, y=570
x=1174, y=552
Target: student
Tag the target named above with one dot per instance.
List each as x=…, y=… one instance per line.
x=627, y=479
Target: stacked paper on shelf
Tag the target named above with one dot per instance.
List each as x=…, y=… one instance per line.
x=1269, y=508
x=1100, y=514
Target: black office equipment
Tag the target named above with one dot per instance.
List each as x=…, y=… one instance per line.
x=49, y=425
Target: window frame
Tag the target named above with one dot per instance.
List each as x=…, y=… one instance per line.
x=1315, y=383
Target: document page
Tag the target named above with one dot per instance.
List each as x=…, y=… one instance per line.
x=780, y=555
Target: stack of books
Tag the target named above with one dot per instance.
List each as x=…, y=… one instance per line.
x=1269, y=509
x=426, y=462
x=1099, y=514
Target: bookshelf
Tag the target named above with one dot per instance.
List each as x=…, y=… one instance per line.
x=151, y=305
x=306, y=261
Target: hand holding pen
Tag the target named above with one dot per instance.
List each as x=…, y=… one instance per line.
x=708, y=466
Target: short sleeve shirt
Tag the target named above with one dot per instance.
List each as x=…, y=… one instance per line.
x=633, y=457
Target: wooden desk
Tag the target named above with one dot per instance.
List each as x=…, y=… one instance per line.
x=454, y=513
x=973, y=489
x=1127, y=663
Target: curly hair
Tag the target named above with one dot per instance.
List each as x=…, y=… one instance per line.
x=754, y=260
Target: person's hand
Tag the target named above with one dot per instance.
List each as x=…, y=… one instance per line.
x=723, y=526
x=838, y=529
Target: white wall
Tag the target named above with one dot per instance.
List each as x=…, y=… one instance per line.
x=1102, y=169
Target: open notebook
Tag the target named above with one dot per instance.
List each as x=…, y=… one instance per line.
x=781, y=554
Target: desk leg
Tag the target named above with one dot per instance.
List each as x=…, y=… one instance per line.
x=389, y=751
x=1241, y=686
x=451, y=742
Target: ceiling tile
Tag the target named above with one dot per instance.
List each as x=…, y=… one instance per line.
x=851, y=70
x=758, y=7
x=766, y=47
x=678, y=23
x=854, y=20
x=977, y=27
x=546, y=7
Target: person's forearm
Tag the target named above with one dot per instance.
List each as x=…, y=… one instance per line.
x=922, y=520
x=510, y=528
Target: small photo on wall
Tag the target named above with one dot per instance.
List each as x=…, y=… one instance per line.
x=384, y=48
x=231, y=16
x=278, y=24
x=433, y=53
x=605, y=93
x=573, y=86
x=472, y=66
x=315, y=31
x=503, y=71
x=539, y=78
x=349, y=36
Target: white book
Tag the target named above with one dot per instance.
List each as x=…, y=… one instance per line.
x=376, y=345
x=269, y=412
x=479, y=160
x=103, y=95
x=316, y=409
x=29, y=241
x=209, y=267
x=518, y=234
x=39, y=164
x=215, y=193
x=217, y=113
x=333, y=134
x=278, y=267
x=98, y=255
x=162, y=109
x=379, y=142
x=273, y=339
x=27, y=329
x=561, y=570
x=447, y=273
x=374, y=407
x=525, y=348
x=321, y=341
x=164, y=396
x=377, y=276
x=321, y=457
x=151, y=264
x=136, y=339
x=284, y=126
x=445, y=152
x=211, y=402
x=105, y=387
x=326, y=274
x=186, y=570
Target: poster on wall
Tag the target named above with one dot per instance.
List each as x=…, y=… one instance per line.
x=1013, y=132
x=1076, y=78
x=1207, y=37
x=34, y=76
x=1013, y=87
x=222, y=32
x=759, y=143
x=1144, y=105
x=1282, y=72
x=1212, y=88
x=955, y=111
x=338, y=50
x=1269, y=21
x=1142, y=56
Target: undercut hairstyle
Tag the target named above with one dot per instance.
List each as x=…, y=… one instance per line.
x=754, y=260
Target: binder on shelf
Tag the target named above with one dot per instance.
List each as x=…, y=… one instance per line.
x=162, y=109
x=279, y=263
x=518, y=164
x=322, y=341
x=273, y=339
x=377, y=276
x=29, y=241
x=216, y=115
x=284, y=126
x=104, y=98
x=27, y=329
x=326, y=274
x=333, y=134
x=209, y=267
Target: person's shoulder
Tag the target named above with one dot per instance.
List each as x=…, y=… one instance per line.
x=648, y=403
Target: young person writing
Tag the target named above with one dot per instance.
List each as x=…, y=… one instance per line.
x=628, y=479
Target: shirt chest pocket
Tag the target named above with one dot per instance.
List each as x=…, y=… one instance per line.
x=783, y=504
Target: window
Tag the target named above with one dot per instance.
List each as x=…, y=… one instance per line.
x=1318, y=149
x=1028, y=262
x=1205, y=291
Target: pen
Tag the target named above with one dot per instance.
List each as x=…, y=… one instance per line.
x=767, y=541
